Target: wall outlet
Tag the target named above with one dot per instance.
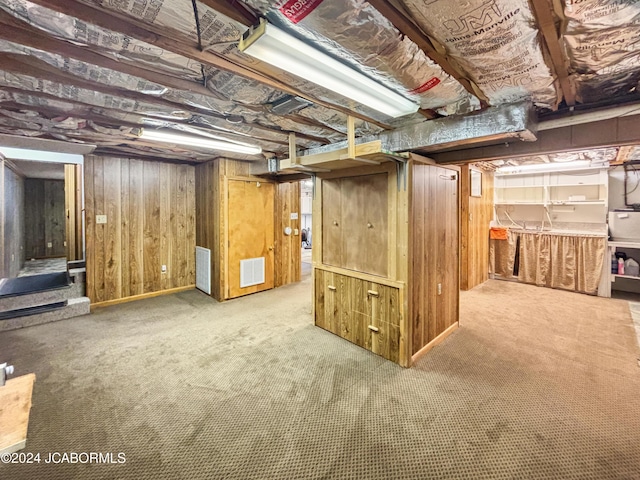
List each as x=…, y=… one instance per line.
x=101, y=219
x=163, y=269
x=49, y=245
x=296, y=231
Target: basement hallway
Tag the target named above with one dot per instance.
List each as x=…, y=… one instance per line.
x=536, y=383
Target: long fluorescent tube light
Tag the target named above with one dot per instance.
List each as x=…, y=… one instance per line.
x=271, y=45
x=548, y=167
x=162, y=136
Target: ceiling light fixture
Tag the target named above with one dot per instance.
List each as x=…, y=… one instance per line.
x=548, y=167
x=189, y=140
x=271, y=45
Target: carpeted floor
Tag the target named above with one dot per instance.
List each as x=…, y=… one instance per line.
x=536, y=383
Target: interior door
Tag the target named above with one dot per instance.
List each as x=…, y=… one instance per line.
x=250, y=237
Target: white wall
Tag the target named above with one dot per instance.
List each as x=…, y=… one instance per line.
x=616, y=187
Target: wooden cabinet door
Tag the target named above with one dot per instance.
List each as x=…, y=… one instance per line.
x=328, y=291
x=385, y=321
x=250, y=236
x=355, y=223
x=332, y=222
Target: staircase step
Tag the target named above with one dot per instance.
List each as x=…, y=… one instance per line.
x=74, y=308
x=13, y=287
x=28, y=300
x=24, y=312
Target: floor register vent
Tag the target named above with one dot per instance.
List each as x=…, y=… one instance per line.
x=251, y=272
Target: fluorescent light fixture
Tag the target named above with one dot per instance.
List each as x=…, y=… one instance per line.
x=548, y=167
x=271, y=45
x=192, y=141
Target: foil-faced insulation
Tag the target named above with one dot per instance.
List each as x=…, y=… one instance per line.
x=496, y=124
x=495, y=42
x=493, y=125
x=221, y=34
x=236, y=89
x=358, y=35
x=601, y=39
x=89, y=97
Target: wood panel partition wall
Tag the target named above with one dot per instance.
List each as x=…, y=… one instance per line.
x=150, y=222
x=73, y=210
x=476, y=214
x=288, y=247
x=385, y=256
x=213, y=211
x=44, y=218
x=12, y=216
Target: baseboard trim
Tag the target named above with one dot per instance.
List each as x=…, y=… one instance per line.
x=133, y=298
x=13, y=448
x=434, y=343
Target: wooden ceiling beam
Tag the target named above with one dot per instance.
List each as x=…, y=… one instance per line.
x=542, y=9
x=401, y=20
x=176, y=43
x=623, y=155
x=233, y=9
x=16, y=31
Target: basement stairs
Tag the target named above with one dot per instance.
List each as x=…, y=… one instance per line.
x=37, y=299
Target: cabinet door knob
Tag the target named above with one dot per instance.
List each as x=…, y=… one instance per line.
x=335, y=223
x=373, y=293
x=369, y=225
x=331, y=287
x=374, y=329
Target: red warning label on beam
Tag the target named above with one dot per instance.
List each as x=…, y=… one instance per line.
x=296, y=10
x=428, y=85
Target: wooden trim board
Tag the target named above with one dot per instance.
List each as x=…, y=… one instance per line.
x=15, y=398
x=142, y=296
x=434, y=343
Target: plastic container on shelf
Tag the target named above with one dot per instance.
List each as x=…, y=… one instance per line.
x=620, y=266
x=631, y=268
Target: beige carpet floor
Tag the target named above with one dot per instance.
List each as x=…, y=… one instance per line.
x=536, y=383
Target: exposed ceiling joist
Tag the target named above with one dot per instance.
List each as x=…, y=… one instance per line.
x=624, y=154
x=407, y=27
x=180, y=45
x=233, y=9
x=17, y=31
x=543, y=9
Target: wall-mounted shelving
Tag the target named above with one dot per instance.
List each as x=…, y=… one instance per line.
x=577, y=196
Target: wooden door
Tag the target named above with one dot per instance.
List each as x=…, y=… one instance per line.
x=250, y=236
x=434, y=253
x=448, y=251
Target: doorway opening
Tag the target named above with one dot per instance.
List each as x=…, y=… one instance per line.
x=306, y=208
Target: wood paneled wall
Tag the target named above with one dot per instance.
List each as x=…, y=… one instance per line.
x=288, y=247
x=12, y=228
x=73, y=207
x=150, y=209
x=44, y=218
x=211, y=212
x=475, y=214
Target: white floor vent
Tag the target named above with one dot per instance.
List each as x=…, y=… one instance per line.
x=251, y=272
x=203, y=269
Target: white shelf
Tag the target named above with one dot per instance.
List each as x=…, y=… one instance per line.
x=624, y=276
x=586, y=202
x=520, y=203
